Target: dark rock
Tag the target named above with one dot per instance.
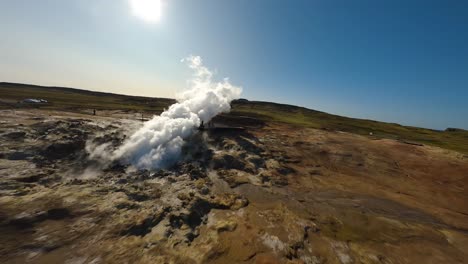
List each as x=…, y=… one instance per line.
x=18, y=155
x=315, y=172
x=145, y=227
x=76, y=182
x=50, y=179
x=197, y=173
x=265, y=178
x=286, y=170
x=198, y=210
x=17, y=135
x=58, y=213
x=171, y=179
x=114, y=138
x=279, y=181
x=248, y=146
x=228, y=162
x=28, y=221
x=139, y=197
x=60, y=150
x=205, y=190
x=116, y=167
x=193, y=170
x=122, y=181
x=31, y=178
x=126, y=205
x=257, y=162
x=43, y=127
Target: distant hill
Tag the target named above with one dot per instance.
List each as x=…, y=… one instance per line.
x=75, y=99
x=71, y=99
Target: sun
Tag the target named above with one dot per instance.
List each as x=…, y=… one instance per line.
x=148, y=10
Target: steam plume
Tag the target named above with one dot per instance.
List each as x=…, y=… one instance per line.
x=159, y=142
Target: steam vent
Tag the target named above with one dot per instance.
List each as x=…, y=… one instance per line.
x=233, y=132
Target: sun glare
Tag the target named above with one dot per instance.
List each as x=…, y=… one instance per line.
x=148, y=10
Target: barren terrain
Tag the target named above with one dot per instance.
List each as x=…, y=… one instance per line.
x=250, y=190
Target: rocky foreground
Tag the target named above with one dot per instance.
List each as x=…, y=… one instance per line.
x=244, y=192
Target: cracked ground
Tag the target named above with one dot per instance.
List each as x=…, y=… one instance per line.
x=245, y=191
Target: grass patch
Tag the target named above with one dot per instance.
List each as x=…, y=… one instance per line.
x=75, y=99
x=454, y=139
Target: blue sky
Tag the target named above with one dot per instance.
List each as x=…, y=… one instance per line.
x=396, y=61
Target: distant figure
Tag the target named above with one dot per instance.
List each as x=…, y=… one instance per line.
x=202, y=126
x=94, y=111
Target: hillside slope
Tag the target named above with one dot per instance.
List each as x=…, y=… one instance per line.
x=82, y=100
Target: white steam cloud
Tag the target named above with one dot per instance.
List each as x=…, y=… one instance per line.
x=159, y=142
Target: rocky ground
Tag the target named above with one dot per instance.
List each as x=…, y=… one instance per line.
x=244, y=192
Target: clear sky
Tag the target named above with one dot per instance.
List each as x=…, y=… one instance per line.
x=397, y=61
